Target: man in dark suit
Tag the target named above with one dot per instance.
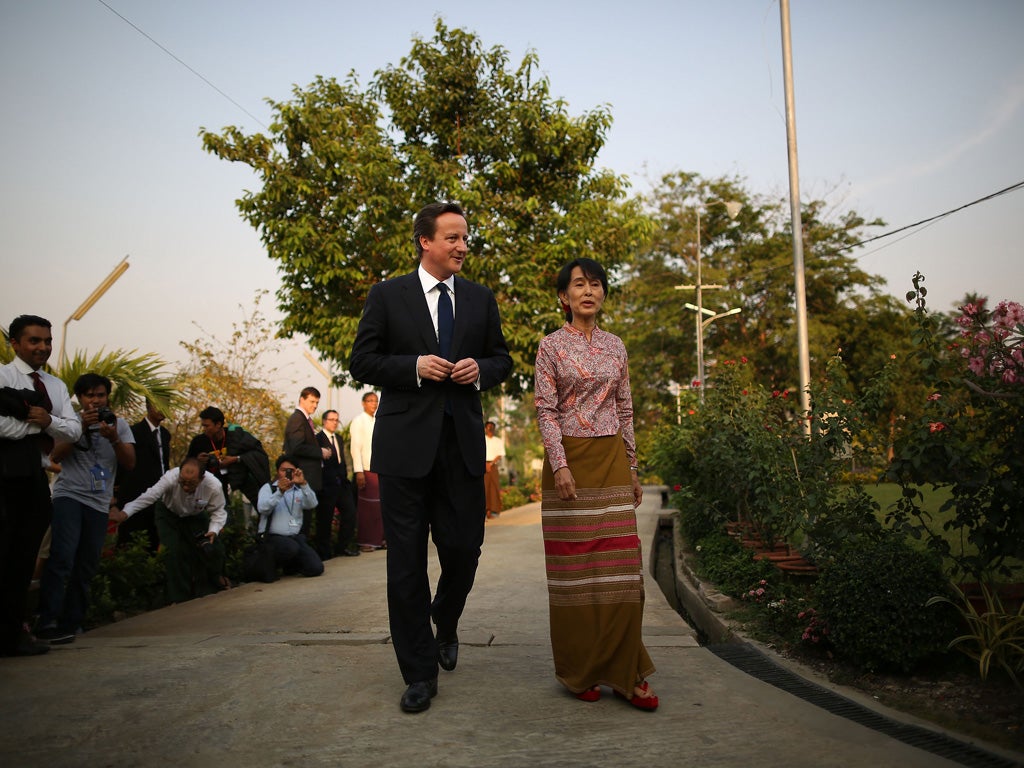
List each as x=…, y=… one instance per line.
x=336, y=493
x=235, y=456
x=152, y=460
x=301, y=445
x=431, y=357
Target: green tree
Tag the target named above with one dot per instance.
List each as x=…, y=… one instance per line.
x=751, y=257
x=233, y=376
x=343, y=170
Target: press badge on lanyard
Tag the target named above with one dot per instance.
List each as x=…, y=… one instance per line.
x=100, y=476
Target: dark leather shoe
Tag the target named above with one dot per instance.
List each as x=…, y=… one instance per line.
x=448, y=652
x=349, y=552
x=418, y=695
x=30, y=646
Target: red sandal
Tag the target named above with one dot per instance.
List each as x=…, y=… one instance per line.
x=590, y=695
x=644, y=700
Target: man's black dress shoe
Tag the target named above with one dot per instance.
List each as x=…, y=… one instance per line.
x=448, y=652
x=29, y=646
x=349, y=552
x=418, y=695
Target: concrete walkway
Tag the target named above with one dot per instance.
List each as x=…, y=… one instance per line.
x=300, y=673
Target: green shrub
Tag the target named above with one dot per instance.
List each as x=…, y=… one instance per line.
x=695, y=520
x=513, y=497
x=779, y=606
x=874, y=597
x=129, y=581
x=728, y=565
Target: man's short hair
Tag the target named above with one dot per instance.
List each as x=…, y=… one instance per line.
x=216, y=415
x=21, y=322
x=193, y=460
x=307, y=391
x=88, y=381
x=368, y=395
x=425, y=223
x=326, y=414
x=282, y=459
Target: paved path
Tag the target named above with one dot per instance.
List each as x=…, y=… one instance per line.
x=300, y=673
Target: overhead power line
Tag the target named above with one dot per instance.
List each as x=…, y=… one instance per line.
x=149, y=37
x=932, y=219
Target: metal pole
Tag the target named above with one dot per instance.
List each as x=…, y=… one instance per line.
x=78, y=314
x=794, y=204
x=700, y=328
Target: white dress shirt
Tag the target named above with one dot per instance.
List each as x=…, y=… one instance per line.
x=65, y=424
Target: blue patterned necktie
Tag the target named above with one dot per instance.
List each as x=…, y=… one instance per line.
x=445, y=321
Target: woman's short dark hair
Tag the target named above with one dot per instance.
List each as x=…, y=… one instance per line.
x=590, y=268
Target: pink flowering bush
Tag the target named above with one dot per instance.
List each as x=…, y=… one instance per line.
x=991, y=342
x=969, y=438
x=815, y=629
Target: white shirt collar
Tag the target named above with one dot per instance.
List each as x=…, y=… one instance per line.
x=429, y=282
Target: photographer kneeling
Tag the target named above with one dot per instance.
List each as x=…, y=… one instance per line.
x=189, y=516
x=281, y=506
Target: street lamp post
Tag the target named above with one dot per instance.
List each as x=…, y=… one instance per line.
x=86, y=305
x=702, y=325
x=326, y=374
x=732, y=208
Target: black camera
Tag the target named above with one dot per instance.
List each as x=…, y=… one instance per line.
x=288, y=472
x=204, y=544
x=212, y=462
x=106, y=415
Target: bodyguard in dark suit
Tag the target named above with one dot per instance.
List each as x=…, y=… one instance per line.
x=152, y=460
x=335, y=494
x=301, y=445
x=431, y=357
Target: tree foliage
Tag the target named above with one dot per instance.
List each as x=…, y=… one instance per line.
x=344, y=169
x=751, y=258
x=230, y=375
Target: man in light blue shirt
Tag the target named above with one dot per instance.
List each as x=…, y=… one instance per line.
x=281, y=506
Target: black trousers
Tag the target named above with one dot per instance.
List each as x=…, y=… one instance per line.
x=25, y=513
x=329, y=498
x=448, y=506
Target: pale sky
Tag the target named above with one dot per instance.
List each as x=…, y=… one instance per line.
x=904, y=109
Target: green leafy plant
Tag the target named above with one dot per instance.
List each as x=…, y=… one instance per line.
x=129, y=581
x=731, y=567
x=969, y=438
x=995, y=636
x=781, y=486
x=873, y=598
x=513, y=496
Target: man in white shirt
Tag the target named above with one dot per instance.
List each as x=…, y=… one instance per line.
x=190, y=514
x=35, y=411
x=369, y=524
x=361, y=438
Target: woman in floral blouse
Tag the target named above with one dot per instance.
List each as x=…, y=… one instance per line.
x=590, y=492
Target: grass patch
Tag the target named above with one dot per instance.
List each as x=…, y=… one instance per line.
x=887, y=494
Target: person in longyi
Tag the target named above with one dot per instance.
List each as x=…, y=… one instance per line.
x=590, y=491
